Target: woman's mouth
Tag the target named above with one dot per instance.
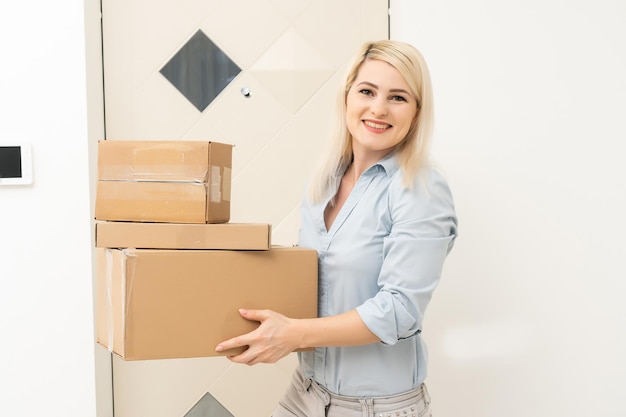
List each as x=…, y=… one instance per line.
x=376, y=125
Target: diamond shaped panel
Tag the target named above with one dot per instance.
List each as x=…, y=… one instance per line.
x=208, y=406
x=292, y=69
x=200, y=70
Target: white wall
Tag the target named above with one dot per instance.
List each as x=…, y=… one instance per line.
x=46, y=317
x=530, y=100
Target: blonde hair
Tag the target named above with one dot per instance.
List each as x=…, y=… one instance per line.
x=413, y=151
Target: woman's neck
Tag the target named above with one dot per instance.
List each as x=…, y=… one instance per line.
x=361, y=162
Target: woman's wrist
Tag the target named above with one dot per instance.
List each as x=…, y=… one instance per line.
x=300, y=330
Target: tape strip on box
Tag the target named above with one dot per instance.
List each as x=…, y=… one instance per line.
x=109, y=298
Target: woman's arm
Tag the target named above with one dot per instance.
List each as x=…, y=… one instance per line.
x=278, y=335
x=423, y=231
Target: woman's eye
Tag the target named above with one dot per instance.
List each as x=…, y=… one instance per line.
x=398, y=98
x=366, y=91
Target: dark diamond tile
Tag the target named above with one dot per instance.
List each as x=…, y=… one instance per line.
x=200, y=70
x=208, y=406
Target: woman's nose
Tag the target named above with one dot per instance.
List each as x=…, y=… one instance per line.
x=379, y=107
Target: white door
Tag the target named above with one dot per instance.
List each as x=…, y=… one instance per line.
x=268, y=89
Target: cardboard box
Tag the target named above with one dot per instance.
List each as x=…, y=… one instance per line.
x=157, y=304
x=164, y=181
x=232, y=236
x=137, y=160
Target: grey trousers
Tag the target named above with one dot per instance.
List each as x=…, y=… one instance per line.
x=306, y=398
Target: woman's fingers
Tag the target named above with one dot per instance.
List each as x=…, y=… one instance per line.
x=243, y=340
x=266, y=344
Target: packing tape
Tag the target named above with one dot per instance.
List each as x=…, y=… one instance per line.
x=162, y=172
x=226, y=181
x=126, y=254
x=215, y=192
x=109, y=309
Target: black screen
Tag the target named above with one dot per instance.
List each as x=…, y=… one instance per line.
x=10, y=162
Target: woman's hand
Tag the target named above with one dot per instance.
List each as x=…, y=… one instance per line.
x=275, y=338
x=277, y=335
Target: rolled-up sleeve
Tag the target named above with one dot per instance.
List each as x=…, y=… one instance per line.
x=422, y=232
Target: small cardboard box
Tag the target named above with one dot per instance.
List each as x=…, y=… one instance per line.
x=231, y=236
x=157, y=304
x=164, y=181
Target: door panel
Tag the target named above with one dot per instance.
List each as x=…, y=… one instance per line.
x=292, y=55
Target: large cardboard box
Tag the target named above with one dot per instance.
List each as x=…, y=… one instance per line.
x=232, y=236
x=164, y=181
x=156, y=304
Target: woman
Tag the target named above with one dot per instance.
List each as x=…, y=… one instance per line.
x=383, y=221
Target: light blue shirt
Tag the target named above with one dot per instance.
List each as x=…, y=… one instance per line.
x=382, y=256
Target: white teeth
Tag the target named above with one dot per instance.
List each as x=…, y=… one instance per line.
x=376, y=125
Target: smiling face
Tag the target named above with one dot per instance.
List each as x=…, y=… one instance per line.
x=380, y=110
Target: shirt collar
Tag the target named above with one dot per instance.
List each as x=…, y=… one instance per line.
x=389, y=163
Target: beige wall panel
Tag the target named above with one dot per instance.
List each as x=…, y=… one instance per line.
x=252, y=391
x=285, y=164
x=291, y=8
x=372, y=26
x=285, y=233
x=162, y=388
x=292, y=69
x=245, y=28
x=248, y=123
x=165, y=26
x=346, y=18
x=291, y=53
x=156, y=111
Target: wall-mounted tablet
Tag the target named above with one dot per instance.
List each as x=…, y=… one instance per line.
x=15, y=164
